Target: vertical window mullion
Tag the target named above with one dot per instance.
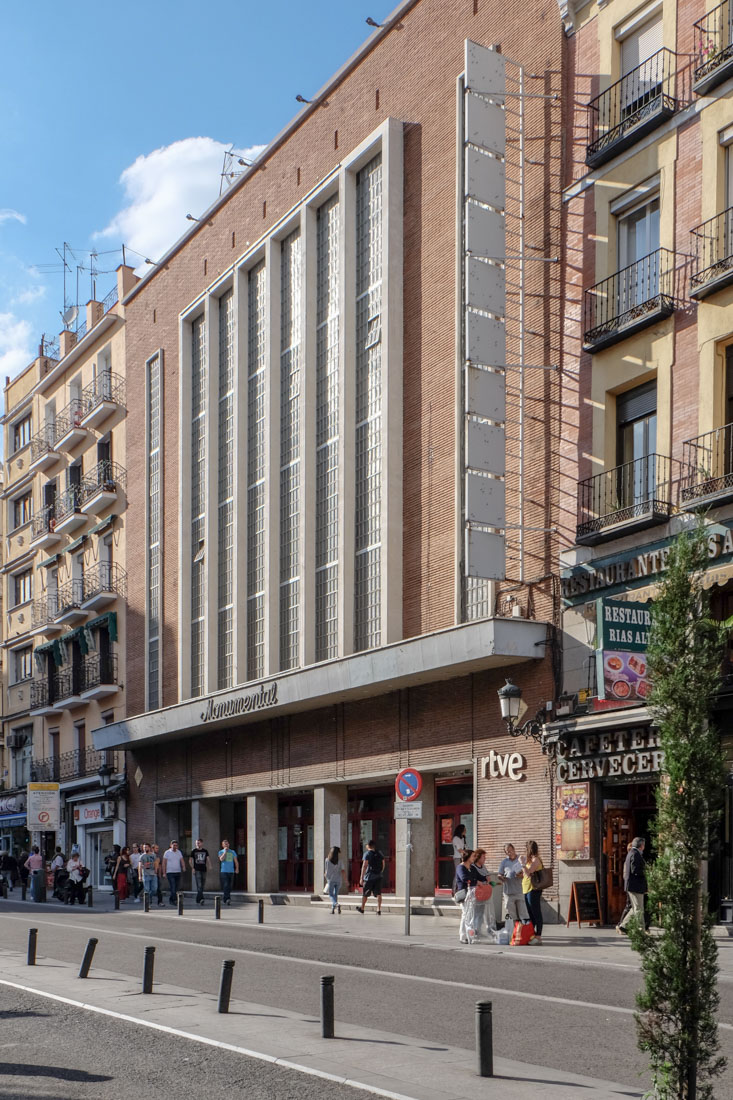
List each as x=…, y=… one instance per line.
x=256, y=362
x=225, y=623
x=290, y=352
x=153, y=534
x=198, y=501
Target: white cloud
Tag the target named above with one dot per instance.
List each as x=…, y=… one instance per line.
x=16, y=351
x=162, y=187
x=8, y=215
x=30, y=295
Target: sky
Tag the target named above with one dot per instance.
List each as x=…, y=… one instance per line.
x=114, y=121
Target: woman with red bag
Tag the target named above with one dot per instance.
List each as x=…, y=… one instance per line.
x=483, y=910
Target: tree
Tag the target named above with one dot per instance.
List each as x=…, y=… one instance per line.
x=676, y=1021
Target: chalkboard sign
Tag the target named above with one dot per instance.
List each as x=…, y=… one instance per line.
x=585, y=903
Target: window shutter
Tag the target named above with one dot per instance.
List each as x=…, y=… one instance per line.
x=641, y=44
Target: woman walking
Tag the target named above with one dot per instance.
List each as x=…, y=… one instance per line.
x=333, y=872
x=483, y=915
x=533, y=896
x=465, y=895
x=121, y=874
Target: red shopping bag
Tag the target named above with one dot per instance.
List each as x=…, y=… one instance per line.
x=522, y=934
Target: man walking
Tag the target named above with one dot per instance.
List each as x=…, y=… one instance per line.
x=228, y=868
x=158, y=873
x=173, y=867
x=371, y=876
x=137, y=882
x=146, y=870
x=200, y=863
x=510, y=876
x=636, y=885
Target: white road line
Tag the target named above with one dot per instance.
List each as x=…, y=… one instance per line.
x=282, y=1062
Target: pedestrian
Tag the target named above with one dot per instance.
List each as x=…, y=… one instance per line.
x=533, y=896
x=510, y=876
x=110, y=862
x=121, y=874
x=147, y=871
x=158, y=873
x=460, y=845
x=75, y=890
x=22, y=869
x=173, y=867
x=372, y=866
x=137, y=883
x=636, y=884
x=333, y=872
x=228, y=868
x=200, y=863
x=34, y=866
x=483, y=915
x=9, y=869
x=57, y=864
x=465, y=895
x=627, y=907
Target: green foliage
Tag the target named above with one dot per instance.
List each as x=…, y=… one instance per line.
x=676, y=1021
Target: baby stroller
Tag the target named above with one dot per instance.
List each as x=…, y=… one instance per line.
x=60, y=882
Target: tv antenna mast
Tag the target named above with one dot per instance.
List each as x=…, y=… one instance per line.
x=233, y=167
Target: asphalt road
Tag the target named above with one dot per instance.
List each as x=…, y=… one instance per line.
x=563, y=1013
x=51, y=1051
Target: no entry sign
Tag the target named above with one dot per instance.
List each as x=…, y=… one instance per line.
x=408, y=784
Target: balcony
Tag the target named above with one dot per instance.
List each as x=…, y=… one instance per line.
x=70, y=431
x=632, y=107
x=102, y=486
x=99, y=676
x=69, y=515
x=626, y=499
x=69, y=602
x=629, y=300
x=68, y=686
x=43, y=615
x=43, y=695
x=102, y=397
x=713, y=49
x=709, y=461
x=43, y=528
x=712, y=265
x=43, y=455
x=102, y=584
x=75, y=765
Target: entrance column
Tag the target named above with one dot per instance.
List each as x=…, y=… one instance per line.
x=205, y=824
x=262, y=864
x=166, y=824
x=422, y=860
x=329, y=803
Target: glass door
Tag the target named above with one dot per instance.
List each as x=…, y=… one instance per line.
x=295, y=843
x=638, y=253
x=99, y=845
x=636, y=413
x=453, y=807
x=371, y=817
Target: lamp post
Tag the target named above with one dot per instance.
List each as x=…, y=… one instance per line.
x=510, y=699
x=105, y=774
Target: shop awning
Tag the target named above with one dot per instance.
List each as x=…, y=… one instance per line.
x=76, y=543
x=83, y=635
x=48, y=561
x=101, y=526
x=12, y=820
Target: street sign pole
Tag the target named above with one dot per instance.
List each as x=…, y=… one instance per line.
x=408, y=852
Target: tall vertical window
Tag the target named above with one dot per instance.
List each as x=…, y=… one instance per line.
x=198, y=500
x=327, y=429
x=225, y=636
x=256, y=350
x=368, y=473
x=290, y=311
x=153, y=532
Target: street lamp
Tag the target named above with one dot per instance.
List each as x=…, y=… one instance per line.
x=510, y=698
x=105, y=774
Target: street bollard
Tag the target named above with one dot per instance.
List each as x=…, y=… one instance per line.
x=148, y=964
x=225, y=989
x=23, y=889
x=484, y=1039
x=180, y=905
x=90, y=897
x=5, y=890
x=117, y=900
x=217, y=908
x=260, y=912
x=146, y=902
x=86, y=962
x=327, y=1006
x=32, y=942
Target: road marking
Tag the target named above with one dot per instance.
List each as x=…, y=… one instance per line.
x=282, y=1062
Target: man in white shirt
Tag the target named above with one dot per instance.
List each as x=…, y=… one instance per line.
x=137, y=885
x=173, y=867
x=57, y=864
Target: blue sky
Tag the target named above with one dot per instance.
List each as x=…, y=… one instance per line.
x=114, y=122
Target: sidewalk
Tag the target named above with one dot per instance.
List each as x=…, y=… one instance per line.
x=405, y=1064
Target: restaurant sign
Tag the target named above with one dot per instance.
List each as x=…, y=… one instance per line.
x=623, y=637
x=613, y=754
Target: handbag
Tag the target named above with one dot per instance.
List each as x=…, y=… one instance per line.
x=483, y=891
x=459, y=895
x=541, y=879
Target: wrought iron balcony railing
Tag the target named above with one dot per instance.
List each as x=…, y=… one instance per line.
x=69, y=418
x=627, y=498
x=67, y=503
x=69, y=597
x=636, y=104
x=43, y=692
x=713, y=48
x=107, y=386
x=75, y=765
x=43, y=522
x=629, y=300
x=105, y=476
x=98, y=669
x=43, y=441
x=111, y=300
x=45, y=610
x=105, y=576
x=712, y=266
x=709, y=467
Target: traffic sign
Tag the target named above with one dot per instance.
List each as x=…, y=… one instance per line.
x=408, y=811
x=408, y=784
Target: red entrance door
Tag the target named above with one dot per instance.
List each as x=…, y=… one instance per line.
x=371, y=817
x=453, y=807
x=295, y=842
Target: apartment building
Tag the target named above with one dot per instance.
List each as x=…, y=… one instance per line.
x=343, y=417
x=648, y=371
x=64, y=504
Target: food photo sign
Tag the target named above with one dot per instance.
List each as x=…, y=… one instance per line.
x=572, y=821
x=623, y=637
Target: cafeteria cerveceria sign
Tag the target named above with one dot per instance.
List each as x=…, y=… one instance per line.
x=264, y=697
x=613, y=754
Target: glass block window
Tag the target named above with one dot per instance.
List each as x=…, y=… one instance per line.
x=153, y=532
x=198, y=501
x=225, y=610
x=368, y=457
x=290, y=354
x=256, y=472
x=327, y=430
